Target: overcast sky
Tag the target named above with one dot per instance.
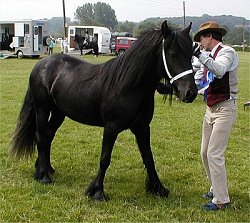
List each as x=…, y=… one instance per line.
x=131, y=10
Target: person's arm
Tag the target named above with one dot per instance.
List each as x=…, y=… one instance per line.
x=221, y=64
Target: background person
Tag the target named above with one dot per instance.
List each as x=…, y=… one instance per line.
x=51, y=46
x=87, y=37
x=62, y=45
x=221, y=109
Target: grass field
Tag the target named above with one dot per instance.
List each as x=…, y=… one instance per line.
x=175, y=137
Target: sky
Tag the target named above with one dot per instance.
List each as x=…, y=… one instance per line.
x=130, y=10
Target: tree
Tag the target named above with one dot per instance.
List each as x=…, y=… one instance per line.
x=235, y=36
x=147, y=24
x=125, y=27
x=104, y=14
x=84, y=15
x=96, y=14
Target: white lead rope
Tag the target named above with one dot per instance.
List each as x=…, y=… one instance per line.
x=172, y=79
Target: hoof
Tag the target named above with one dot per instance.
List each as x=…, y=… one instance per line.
x=98, y=196
x=45, y=179
x=163, y=192
x=95, y=192
x=157, y=189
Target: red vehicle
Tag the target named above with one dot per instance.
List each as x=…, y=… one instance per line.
x=123, y=43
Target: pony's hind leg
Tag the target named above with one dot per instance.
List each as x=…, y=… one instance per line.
x=153, y=183
x=47, y=125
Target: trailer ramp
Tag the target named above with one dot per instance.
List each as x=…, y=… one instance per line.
x=4, y=55
x=78, y=52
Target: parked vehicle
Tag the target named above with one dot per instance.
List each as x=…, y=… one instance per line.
x=99, y=34
x=114, y=35
x=123, y=43
x=23, y=38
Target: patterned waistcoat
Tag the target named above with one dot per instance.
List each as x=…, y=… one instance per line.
x=219, y=89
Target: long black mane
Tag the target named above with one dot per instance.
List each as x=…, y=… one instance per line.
x=129, y=68
x=138, y=57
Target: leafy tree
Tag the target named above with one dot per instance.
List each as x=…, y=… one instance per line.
x=148, y=24
x=125, y=27
x=84, y=15
x=104, y=14
x=144, y=25
x=235, y=36
x=96, y=14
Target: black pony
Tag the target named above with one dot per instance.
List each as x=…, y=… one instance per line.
x=116, y=95
x=83, y=44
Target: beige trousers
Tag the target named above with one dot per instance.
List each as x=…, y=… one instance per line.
x=217, y=125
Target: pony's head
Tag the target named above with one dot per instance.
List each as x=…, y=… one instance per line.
x=177, y=53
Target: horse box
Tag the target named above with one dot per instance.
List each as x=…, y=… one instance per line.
x=23, y=37
x=101, y=35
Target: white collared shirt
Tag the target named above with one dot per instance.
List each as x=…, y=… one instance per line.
x=226, y=60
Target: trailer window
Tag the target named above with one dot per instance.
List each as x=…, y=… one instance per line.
x=35, y=30
x=40, y=33
x=26, y=28
x=21, y=41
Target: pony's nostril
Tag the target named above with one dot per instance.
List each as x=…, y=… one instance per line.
x=191, y=95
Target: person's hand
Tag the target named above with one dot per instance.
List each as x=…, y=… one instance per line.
x=196, y=49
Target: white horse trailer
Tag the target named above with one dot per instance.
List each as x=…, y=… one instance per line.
x=23, y=38
x=99, y=34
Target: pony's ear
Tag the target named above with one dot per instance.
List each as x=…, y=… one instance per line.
x=165, y=29
x=187, y=29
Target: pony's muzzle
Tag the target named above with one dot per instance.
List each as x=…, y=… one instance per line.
x=190, y=96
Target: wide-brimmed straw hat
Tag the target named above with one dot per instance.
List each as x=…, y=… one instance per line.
x=209, y=26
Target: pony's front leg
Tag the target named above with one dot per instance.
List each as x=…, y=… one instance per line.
x=153, y=184
x=95, y=190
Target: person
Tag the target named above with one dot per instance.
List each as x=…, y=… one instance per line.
x=64, y=45
x=87, y=37
x=51, y=46
x=222, y=64
x=47, y=43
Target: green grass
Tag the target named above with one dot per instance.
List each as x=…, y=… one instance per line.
x=175, y=139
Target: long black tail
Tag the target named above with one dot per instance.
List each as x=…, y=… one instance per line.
x=23, y=140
